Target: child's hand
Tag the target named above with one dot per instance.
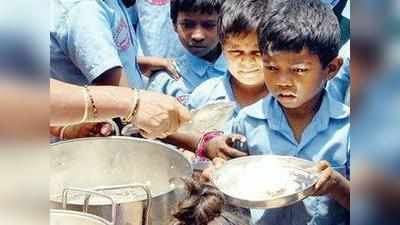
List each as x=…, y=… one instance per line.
x=150, y=65
x=333, y=183
x=328, y=180
x=220, y=146
x=172, y=68
x=206, y=174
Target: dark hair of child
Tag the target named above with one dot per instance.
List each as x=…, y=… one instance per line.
x=240, y=17
x=202, y=6
x=203, y=206
x=293, y=25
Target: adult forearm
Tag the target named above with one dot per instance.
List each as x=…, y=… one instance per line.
x=68, y=103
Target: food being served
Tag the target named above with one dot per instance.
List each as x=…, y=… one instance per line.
x=211, y=116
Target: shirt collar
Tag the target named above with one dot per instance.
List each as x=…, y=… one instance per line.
x=223, y=90
x=201, y=66
x=229, y=90
x=268, y=108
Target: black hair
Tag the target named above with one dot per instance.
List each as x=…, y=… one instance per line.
x=203, y=206
x=292, y=25
x=202, y=6
x=240, y=16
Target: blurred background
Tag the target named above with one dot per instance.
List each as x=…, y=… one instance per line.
x=24, y=50
x=375, y=103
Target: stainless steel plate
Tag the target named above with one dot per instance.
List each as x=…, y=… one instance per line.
x=265, y=181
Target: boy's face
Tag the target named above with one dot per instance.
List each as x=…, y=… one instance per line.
x=197, y=32
x=296, y=78
x=244, y=58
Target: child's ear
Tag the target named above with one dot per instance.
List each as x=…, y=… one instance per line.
x=333, y=67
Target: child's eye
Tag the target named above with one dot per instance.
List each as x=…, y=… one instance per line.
x=300, y=70
x=235, y=53
x=188, y=25
x=271, y=68
x=257, y=53
x=209, y=25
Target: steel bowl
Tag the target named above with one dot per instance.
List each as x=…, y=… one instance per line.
x=265, y=181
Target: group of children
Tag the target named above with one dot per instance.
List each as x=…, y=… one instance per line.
x=275, y=59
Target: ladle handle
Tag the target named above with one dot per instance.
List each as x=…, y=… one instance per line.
x=133, y=186
x=115, y=127
x=86, y=201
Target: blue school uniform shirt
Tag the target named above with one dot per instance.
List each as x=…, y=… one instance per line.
x=218, y=88
x=194, y=71
x=325, y=138
x=91, y=37
x=155, y=31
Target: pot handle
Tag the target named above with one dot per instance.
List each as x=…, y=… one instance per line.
x=89, y=193
x=144, y=187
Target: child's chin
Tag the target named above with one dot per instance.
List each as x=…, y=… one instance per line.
x=199, y=52
x=289, y=104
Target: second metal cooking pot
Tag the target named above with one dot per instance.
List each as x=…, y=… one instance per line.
x=112, y=166
x=68, y=217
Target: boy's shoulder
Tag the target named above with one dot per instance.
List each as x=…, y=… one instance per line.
x=257, y=111
x=187, y=60
x=211, y=89
x=211, y=83
x=68, y=15
x=161, y=81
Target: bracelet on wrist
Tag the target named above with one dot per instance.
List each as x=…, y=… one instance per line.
x=204, y=140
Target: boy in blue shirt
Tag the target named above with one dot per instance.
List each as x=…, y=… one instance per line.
x=244, y=83
x=93, y=42
x=299, y=42
x=195, y=22
x=237, y=19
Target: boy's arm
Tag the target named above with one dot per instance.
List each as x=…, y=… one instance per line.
x=184, y=140
x=149, y=65
x=90, y=44
x=110, y=77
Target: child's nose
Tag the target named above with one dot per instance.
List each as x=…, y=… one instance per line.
x=198, y=35
x=284, y=80
x=249, y=60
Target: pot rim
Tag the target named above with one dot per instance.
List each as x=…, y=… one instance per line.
x=86, y=216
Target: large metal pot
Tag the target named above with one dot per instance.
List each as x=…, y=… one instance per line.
x=117, y=163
